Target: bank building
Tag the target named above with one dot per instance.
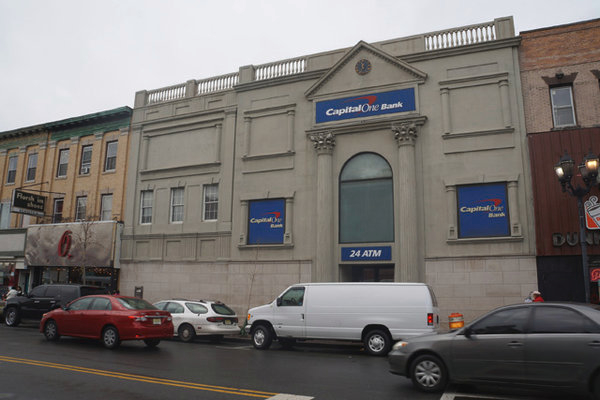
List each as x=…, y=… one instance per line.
x=401, y=160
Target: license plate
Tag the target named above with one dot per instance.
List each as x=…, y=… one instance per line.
x=227, y=322
x=156, y=321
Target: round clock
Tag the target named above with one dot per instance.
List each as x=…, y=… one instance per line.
x=363, y=67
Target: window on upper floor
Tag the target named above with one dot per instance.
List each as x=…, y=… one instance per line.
x=110, y=164
x=86, y=160
x=211, y=202
x=12, y=168
x=176, y=214
x=57, y=211
x=31, y=167
x=563, y=108
x=63, y=163
x=80, y=209
x=106, y=207
x=146, y=206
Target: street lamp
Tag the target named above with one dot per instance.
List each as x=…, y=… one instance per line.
x=589, y=171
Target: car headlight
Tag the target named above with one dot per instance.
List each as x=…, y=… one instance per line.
x=400, y=345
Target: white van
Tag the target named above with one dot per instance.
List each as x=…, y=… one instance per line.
x=375, y=313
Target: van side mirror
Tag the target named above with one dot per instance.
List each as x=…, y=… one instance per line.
x=279, y=301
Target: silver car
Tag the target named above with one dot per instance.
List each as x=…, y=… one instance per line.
x=537, y=344
x=207, y=318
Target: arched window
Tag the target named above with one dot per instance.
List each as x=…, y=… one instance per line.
x=366, y=200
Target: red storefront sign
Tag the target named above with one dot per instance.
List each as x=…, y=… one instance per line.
x=594, y=274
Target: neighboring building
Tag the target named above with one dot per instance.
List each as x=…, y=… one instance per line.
x=560, y=73
x=64, y=171
x=402, y=160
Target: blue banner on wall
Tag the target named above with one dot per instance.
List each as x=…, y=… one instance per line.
x=266, y=221
x=381, y=253
x=483, y=211
x=366, y=106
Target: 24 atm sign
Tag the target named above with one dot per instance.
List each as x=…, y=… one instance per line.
x=379, y=253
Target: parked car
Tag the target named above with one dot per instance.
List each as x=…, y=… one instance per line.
x=375, y=313
x=44, y=298
x=207, y=318
x=537, y=344
x=110, y=319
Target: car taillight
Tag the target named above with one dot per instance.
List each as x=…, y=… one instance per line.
x=429, y=319
x=138, y=318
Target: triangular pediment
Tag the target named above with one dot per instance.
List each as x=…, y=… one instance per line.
x=383, y=69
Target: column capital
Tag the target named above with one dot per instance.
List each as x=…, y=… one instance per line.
x=323, y=142
x=405, y=133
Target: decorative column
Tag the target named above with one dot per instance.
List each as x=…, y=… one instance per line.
x=247, y=122
x=324, y=268
x=505, y=99
x=218, y=134
x=408, y=267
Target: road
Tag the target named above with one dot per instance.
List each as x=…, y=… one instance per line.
x=32, y=368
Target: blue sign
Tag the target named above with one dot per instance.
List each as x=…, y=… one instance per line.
x=382, y=253
x=266, y=222
x=482, y=211
x=366, y=106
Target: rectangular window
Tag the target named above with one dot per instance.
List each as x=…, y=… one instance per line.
x=63, y=162
x=146, y=207
x=86, y=160
x=563, y=110
x=57, y=212
x=176, y=205
x=32, y=167
x=12, y=169
x=110, y=164
x=80, y=208
x=4, y=215
x=211, y=202
x=483, y=210
x=106, y=207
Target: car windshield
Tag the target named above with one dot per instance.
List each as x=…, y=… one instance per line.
x=135, y=304
x=222, y=309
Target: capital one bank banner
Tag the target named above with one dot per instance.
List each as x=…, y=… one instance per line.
x=365, y=106
x=482, y=211
x=266, y=222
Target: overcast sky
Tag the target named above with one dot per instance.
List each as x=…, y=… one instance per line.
x=65, y=58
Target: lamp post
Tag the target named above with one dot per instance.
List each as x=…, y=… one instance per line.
x=589, y=171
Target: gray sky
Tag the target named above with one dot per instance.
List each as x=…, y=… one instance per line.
x=65, y=58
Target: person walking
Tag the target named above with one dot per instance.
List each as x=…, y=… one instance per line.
x=537, y=297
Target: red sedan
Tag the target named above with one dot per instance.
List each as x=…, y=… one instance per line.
x=110, y=319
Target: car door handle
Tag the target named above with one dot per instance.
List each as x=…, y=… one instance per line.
x=515, y=344
x=37, y=301
x=302, y=317
x=595, y=343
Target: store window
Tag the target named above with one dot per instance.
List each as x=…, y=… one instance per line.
x=63, y=162
x=483, y=210
x=146, y=206
x=266, y=221
x=366, y=200
x=57, y=211
x=106, y=207
x=211, y=202
x=12, y=169
x=86, y=160
x=80, y=209
x=563, y=109
x=31, y=167
x=176, y=215
x=110, y=164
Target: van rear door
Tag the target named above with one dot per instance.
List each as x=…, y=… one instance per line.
x=289, y=313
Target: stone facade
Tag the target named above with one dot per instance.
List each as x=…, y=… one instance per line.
x=261, y=135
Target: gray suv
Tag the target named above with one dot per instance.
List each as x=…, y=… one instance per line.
x=44, y=298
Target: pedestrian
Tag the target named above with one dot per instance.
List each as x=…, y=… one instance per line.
x=529, y=298
x=537, y=297
x=11, y=293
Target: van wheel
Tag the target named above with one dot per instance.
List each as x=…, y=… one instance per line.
x=377, y=343
x=262, y=337
x=12, y=317
x=428, y=373
x=51, y=331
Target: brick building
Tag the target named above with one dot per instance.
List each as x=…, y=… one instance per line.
x=76, y=169
x=560, y=74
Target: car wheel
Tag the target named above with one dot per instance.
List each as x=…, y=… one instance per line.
x=377, y=343
x=11, y=317
x=110, y=337
x=186, y=333
x=51, y=330
x=152, y=342
x=262, y=337
x=428, y=373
